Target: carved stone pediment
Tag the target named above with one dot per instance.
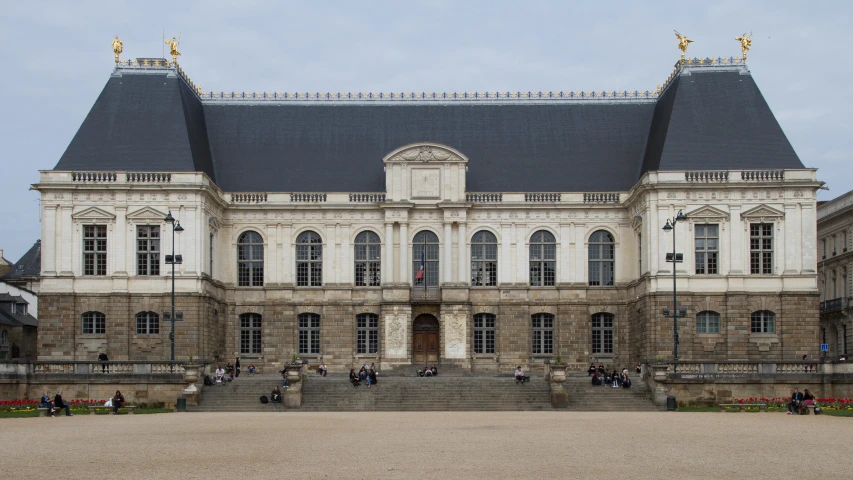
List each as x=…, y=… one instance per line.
x=93, y=215
x=146, y=215
x=707, y=214
x=425, y=152
x=762, y=213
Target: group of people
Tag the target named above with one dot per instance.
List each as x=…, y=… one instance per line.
x=117, y=401
x=601, y=377
x=428, y=371
x=365, y=374
x=230, y=372
x=800, y=401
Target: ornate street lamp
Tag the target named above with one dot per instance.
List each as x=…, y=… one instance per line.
x=173, y=260
x=676, y=311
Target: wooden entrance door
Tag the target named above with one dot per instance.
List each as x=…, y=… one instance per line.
x=425, y=344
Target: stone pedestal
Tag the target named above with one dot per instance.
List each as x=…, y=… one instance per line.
x=559, y=395
x=293, y=394
x=659, y=390
x=191, y=375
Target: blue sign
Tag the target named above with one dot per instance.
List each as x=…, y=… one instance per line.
x=824, y=347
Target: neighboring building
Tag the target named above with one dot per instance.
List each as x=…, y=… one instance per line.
x=481, y=229
x=25, y=272
x=18, y=323
x=5, y=265
x=835, y=263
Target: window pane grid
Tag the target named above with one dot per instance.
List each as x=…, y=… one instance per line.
x=601, y=254
x=707, y=245
x=761, y=248
x=426, y=244
x=543, y=333
x=763, y=321
x=484, y=333
x=94, y=250
x=251, y=334
x=543, y=253
x=94, y=323
x=250, y=260
x=309, y=333
x=367, y=260
x=309, y=260
x=367, y=333
x=602, y=333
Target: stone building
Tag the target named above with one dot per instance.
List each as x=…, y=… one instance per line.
x=835, y=262
x=484, y=230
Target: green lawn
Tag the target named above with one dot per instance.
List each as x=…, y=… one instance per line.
x=35, y=413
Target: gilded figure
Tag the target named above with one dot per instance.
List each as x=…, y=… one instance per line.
x=745, y=43
x=173, y=48
x=683, y=42
x=118, y=47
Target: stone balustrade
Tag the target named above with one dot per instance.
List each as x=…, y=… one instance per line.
x=112, y=368
x=746, y=368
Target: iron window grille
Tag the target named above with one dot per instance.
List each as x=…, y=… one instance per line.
x=94, y=250
x=602, y=248
x=368, y=254
x=763, y=321
x=250, y=260
x=602, y=333
x=147, y=323
x=543, y=259
x=94, y=323
x=484, y=333
x=309, y=260
x=148, y=250
x=707, y=240
x=484, y=259
x=425, y=243
x=707, y=322
x=251, y=333
x=543, y=333
x=367, y=333
x=761, y=248
x=309, y=333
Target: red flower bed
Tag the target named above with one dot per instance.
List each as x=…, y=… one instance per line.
x=825, y=403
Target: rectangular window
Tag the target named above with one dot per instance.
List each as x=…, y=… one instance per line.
x=484, y=333
x=602, y=333
x=147, y=250
x=761, y=248
x=708, y=322
x=367, y=265
x=250, y=333
x=147, y=323
x=309, y=333
x=707, y=249
x=763, y=322
x=543, y=333
x=367, y=333
x=210, y=252
x=94, y=250
x=639, y=255
x=94, y=323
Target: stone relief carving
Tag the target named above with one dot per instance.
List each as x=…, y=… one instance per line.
x=454, y=336
x=395, y=336
x=425, y=153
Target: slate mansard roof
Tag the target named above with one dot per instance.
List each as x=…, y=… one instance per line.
x=705, y=119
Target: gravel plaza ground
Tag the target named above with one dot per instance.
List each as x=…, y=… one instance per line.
x=433, y=445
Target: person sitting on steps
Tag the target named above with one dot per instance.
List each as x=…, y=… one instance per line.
x=219, y=374
x=591, y=369
x=794, y=404
x=433, y=370
x=251, y=370
x=353, y=378
x=118, y=401
x=519, y=375
x=46, y=403
x=275, y=396
x=322, y=370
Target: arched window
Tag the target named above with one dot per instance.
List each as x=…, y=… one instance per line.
x=601, y=254
x=147, y=323
x=707, y=322
x=425, y=259
x=94, y=323
x=250, y=260
x=484, y=333
x=763, y=321
x=542, y=325
x=309, y=260
x=602, y=333
x=367, y=333
x=543, y=259
x=309, y=333
x=250, y=333
x=484, y=259
x=368, y=252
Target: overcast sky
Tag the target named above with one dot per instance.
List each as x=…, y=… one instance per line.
x=57, y=57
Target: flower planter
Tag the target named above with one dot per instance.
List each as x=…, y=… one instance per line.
x=659, y=372
x=191, y=375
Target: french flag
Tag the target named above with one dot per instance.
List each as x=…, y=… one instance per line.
x=420, y=274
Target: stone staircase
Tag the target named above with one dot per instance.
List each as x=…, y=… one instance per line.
x=454, y=389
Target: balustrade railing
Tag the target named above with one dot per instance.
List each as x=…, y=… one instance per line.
x=109, y=368
x=308, y=197
x=484, y=197
x=93, y=176
x=248, y=197
x=763, y=175
x=542, y=197
x=745, y=368
x=718, y=176
x=425, y=293
x=601, y=198
x=143, y=177
x=367, y=197
x=832, y=305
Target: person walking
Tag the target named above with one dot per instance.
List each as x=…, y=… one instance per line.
x=237, y=367
x=102, y=358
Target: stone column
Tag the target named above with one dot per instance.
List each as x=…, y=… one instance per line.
x=286, y=255
x=460, y=254
x=447, y=260
x=808, y=238
x=346, y=265
x=736, y=245
x=50, y=238
x=404, y=253
x=504, y=275
x=121, y=241
x=66, y=241
x=388, y=274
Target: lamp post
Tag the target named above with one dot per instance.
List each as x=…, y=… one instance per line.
x=674, y=258
x=173, y=260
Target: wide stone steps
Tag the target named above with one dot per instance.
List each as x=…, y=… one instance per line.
x=411, y=393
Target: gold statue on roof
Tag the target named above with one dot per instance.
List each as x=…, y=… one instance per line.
x=745, y=42
x=173, y=48
x=683, y=42
x=118, y=47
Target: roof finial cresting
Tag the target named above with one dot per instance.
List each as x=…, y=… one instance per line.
x=683, y=42
x=118, y=47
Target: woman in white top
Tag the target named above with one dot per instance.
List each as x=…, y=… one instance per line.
x=219, y=374
x=519, y=375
